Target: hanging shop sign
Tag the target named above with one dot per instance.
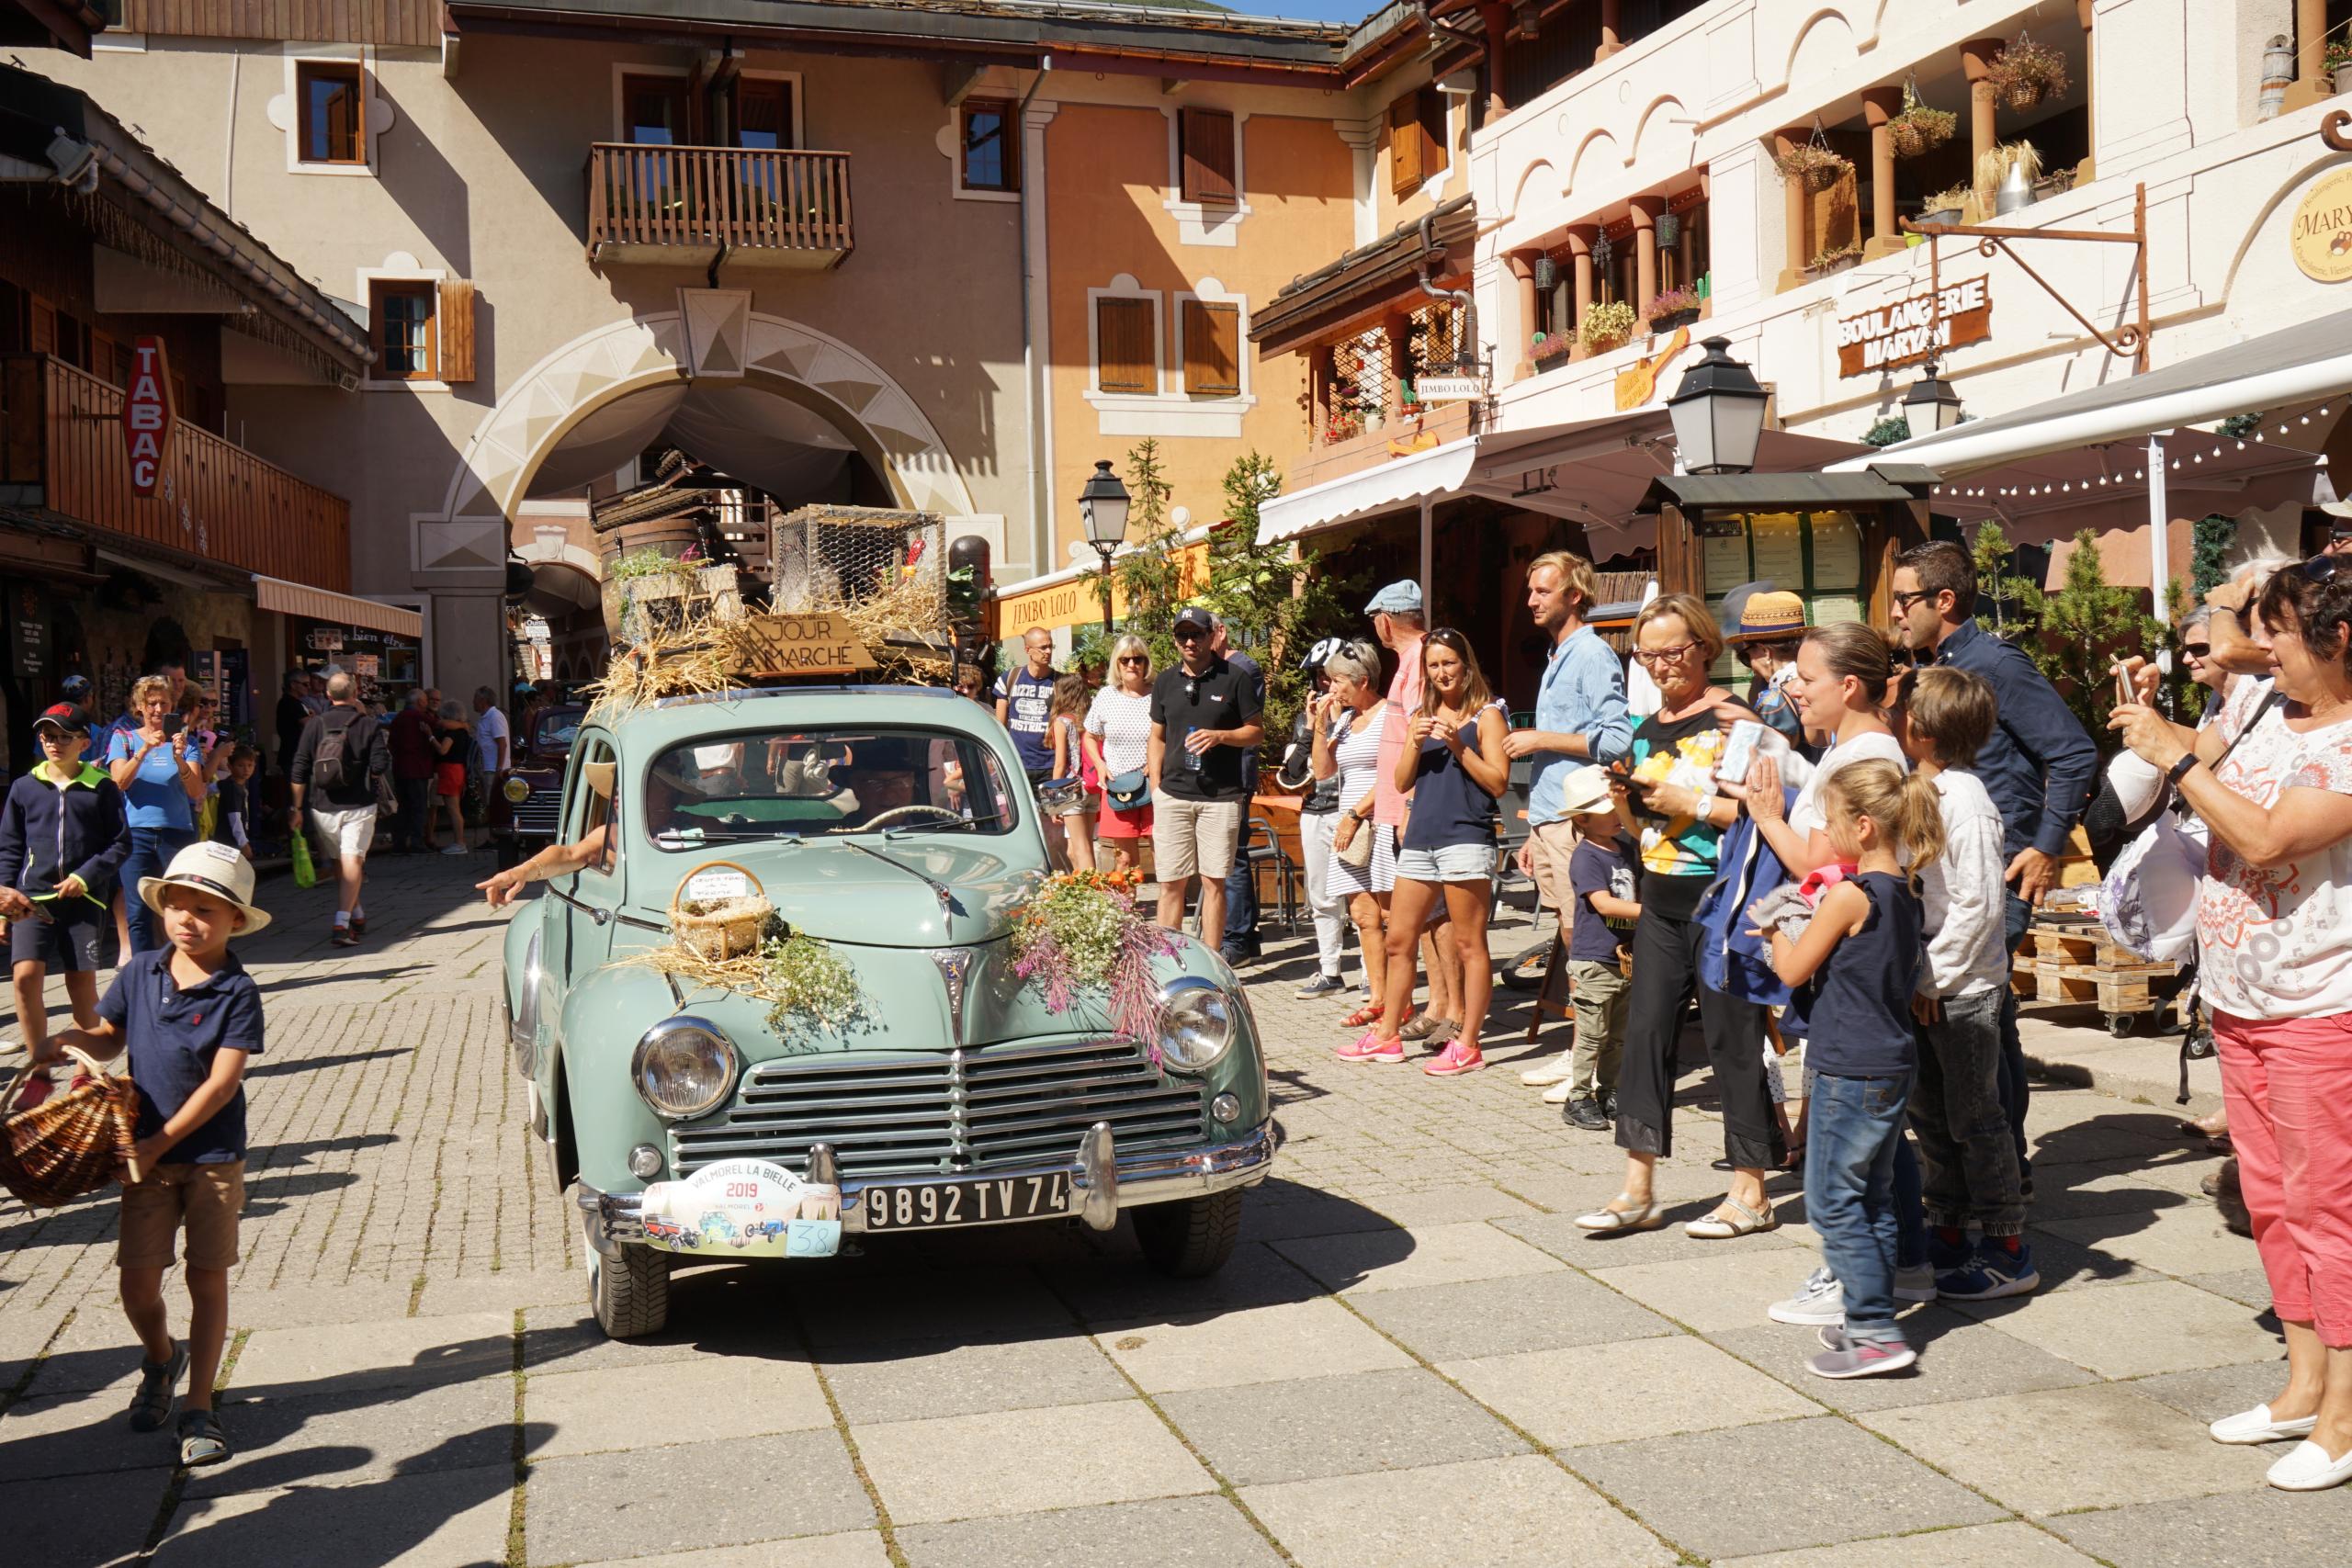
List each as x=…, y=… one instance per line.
x=147, y=414
x=1914, y=329
x=1449, y=388
x=2321, y=234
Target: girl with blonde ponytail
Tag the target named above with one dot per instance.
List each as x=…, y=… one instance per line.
x=1863, y=951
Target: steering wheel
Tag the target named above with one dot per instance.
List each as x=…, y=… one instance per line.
x=881, y=816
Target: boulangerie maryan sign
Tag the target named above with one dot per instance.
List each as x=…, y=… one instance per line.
x=147, y=414
x=1915, y=328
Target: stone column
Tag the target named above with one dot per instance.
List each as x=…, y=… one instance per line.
x=1646, y=211
x=1522, y=272
x=1975, y=59
x=1495, y=18
x=1581, y=273
x=2310, y=54
x=1880, y=104
x=1400, y=364
x=1795, y=207
x=1613, y=30
x=2086, y=171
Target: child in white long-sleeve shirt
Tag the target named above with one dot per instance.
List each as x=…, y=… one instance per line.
x=1968, y=1157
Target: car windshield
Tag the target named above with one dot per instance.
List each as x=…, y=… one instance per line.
x=559, y=727
x=824, y=782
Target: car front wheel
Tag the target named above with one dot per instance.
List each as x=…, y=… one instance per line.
x=631, y=1293
x=1190, y=1239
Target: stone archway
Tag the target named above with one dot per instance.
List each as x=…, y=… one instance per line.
x=715, y=335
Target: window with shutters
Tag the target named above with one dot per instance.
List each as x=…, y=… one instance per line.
x=1212, y=339
x=1206, y=161
x=989, y=151
x=1418, y=150
x=331, y=98
x=1126, y=345
x=401, y=326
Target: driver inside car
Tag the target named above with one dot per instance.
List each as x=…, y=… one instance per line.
x=593, y=847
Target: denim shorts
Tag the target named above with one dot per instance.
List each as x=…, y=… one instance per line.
x=1448, y=862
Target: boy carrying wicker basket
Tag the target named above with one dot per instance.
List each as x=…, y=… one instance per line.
x=190, y=1016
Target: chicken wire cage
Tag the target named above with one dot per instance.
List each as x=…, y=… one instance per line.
x=823, y=558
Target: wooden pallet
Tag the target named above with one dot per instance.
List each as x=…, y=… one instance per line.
x=2090, y=945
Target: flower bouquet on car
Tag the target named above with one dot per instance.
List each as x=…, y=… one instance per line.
x=1084, y=930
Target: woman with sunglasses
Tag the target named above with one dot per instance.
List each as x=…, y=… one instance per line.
x=1677, y=641
x=1117, y=741
x=2274, y=938
x=1453, y=765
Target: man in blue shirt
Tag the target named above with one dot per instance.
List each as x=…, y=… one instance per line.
x=1579, y=718
x=2039, y=767
x=1023, y=698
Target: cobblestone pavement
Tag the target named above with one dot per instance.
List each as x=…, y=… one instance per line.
x=1414, y=1358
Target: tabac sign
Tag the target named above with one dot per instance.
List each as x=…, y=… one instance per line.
x=2322, y=233
x=147, y=414
x=1914, y=329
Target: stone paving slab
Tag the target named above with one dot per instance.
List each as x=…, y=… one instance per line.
x=88, y=1519
x=1610, y=1393
x=2176, y=1239
x=2128, y=1331
x=2212, y=1393
x=447, y=1519
x=2258, y=1529
x=348, y=1357
x=717, y=1399
x=1336, y=1425
x=1723, y=1290
x=1018, y=1462
x=918, y=1381
x=336, y=1439
x=2121, y=1447
x=1435, y=1255
x=1254, y=1345
x=2013, y=1545
x=857, y=1549
x=691, y=1495
x=1559, y=1235
x=1777, y=1486
x=1165, y=1533
x=1522, y=1512
x=1959, y=1359
x=1500, y=1317
x=77, y=1434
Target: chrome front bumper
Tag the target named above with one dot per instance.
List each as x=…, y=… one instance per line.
x=1102, y=1181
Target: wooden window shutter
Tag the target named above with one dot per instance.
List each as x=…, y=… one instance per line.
x=1124, y=341
x=1404, y=145
x=1211, y=349
x=1208, y=141
x=455, y=315
x=1430, y=113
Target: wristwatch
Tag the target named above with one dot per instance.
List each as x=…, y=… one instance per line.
x=2179, y=770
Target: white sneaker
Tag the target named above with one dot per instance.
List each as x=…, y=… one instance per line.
x=1545, y=1074
x=1820, y=1300
x=1916, y=1283
x=455, y=850
x=1559, y=1093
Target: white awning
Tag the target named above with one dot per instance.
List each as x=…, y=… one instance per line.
x=1438, y=471
x=342, y=609
x=2301, y=364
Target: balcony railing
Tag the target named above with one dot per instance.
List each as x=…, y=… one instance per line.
x=675, y=204
x=62, y=449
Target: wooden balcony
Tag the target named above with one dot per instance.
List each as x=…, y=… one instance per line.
x=693, y=206
x=62, y=450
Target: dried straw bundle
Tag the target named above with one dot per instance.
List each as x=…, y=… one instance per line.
x=665, y=663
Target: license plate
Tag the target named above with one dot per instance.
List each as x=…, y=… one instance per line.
x=936, y=1205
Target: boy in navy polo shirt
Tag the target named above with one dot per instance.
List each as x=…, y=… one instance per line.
x=190, y=1016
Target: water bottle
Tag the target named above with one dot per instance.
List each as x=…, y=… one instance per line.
x=1192, y=758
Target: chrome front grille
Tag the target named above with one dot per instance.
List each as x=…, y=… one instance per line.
x=536, y=817
x=920, y=1115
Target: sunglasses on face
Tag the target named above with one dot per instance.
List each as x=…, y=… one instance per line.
x=1903, y=601
x=1133, y=659
x=1190, y=634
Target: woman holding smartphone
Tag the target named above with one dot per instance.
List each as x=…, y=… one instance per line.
x=159, y=767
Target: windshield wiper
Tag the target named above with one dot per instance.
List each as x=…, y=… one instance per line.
x=938, y=890
x=677, y=838
x=944, y=825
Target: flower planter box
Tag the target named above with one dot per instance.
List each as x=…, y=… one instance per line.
x=1672, y=319
x=1550, y=360
x=1595, y=347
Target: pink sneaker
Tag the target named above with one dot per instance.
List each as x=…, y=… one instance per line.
x=1454, y=1060
x=1370, y=1047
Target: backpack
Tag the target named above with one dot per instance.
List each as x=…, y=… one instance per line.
x=341, y=760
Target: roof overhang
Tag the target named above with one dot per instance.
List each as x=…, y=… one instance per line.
x=1845, y=489
x=1364, y=279
x=68, y=24
x=2298, y=365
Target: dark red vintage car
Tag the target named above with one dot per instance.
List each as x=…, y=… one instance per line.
x=538, y=765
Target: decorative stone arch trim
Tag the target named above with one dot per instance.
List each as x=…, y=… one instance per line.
x=864, y=401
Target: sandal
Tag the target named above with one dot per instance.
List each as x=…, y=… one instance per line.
x=1611, y=1219
x=1421, y=1027
x=1741, y=1221
x=158, y=1391
x=1364, y=1017
x=202, y=1441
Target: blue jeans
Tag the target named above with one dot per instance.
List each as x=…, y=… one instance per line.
x=152, y=849
x=1241, y=934
x=2017, y=914
x=1853, y=1133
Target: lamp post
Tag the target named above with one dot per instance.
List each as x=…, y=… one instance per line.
x=1102, y=505
x=1718, y=413
x=1931, y=404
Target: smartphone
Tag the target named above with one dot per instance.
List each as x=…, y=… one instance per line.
x=2124, y=693
x=174, y=723
x=1740, y=747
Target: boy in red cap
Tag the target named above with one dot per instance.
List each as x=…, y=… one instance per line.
x=63, y=837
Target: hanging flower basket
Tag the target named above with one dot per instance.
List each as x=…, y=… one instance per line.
x=1814, y=166
x=1672, y=307
x=1607, y=324
x=1082, y=931
x=2027, y=73
x=1919, y=129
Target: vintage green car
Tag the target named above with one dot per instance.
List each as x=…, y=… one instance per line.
x=956, y=1097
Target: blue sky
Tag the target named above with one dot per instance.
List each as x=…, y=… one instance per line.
x=1310, y=10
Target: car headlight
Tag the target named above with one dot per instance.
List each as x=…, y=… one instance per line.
x=1198, y=1020
x=518, y=790
x=683, y=1068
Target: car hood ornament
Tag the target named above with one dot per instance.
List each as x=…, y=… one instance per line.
x=956, y=970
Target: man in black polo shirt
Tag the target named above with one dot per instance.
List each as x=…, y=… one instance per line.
x=1204, y=720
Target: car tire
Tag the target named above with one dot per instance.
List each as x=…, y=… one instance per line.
x=1190, y=1239
x=1525, y=971
x=631, y=1293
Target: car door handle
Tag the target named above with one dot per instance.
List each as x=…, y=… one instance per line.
x=603, y=916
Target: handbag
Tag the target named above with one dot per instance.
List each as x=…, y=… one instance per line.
x=1128, y=790
x=68, y=1144
x=1357, y=851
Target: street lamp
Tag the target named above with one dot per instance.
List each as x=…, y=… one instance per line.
x=1718, y=413
x=1102, y=505
x=1931, y=404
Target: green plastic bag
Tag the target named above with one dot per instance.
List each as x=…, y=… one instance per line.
x=299, y=846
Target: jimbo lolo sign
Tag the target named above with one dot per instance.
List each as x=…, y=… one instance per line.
x=1914, y=328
